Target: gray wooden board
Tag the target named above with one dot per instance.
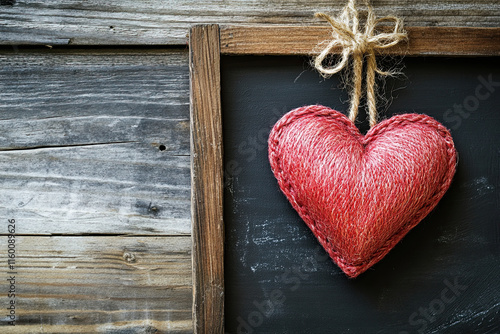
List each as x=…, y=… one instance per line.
x=99, y=284
x=444, y=275
x=95, y=142
x=167, y=22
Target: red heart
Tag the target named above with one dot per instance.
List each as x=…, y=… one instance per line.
x=360, y=194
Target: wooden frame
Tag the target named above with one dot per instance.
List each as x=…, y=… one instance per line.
x=207, y=43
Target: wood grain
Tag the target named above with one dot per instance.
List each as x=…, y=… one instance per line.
x=207, y=180
x=95, y=142
x=101, y=284
x=159, y=22
x=435, y=41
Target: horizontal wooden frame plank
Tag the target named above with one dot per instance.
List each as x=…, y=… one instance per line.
x=99, y=284
x=159, y=22
x=422, y=41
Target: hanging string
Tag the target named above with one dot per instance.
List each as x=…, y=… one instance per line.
x=348, y=35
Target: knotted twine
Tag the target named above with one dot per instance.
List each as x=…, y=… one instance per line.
x=348, y=35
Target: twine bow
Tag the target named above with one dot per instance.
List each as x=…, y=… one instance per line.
x=347, y=35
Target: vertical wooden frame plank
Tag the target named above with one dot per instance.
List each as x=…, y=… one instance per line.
x=206, y=180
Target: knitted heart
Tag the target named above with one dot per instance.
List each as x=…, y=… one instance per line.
x=360, y=194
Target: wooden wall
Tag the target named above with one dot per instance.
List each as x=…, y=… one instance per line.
x=166, y=22
x=94, y=151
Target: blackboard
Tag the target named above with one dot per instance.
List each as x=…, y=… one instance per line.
x=444, y=277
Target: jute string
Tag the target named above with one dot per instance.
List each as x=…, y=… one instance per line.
x=348, y=35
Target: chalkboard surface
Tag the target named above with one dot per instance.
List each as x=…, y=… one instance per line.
x=444, y=277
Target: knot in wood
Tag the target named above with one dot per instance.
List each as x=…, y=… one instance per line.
x=129, y=257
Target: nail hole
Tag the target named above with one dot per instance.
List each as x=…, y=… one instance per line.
x=162, y=147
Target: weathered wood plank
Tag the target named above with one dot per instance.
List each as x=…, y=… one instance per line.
x=282, y=40
x=150, y=84
x=95, y=143
x=99, y=284
x=167, y=22
x=207, y=180
x=110, y=188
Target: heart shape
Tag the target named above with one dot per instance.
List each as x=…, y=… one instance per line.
x=360, y=195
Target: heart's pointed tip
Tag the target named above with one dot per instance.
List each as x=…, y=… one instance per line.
x=351, y=275
x=352, y=271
